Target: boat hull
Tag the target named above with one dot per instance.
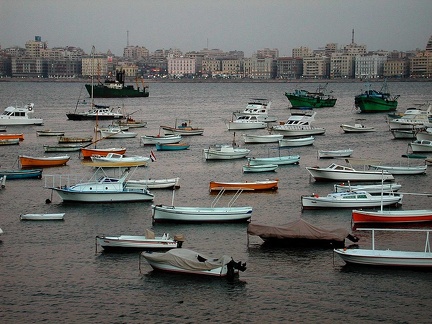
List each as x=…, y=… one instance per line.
x=172, y=147
x=313, y=202
x=248, y=138
x=102, y=91
x=296, y=142
x=282, y=160
x=373, y=104
x=298, y=131
x=402, y=170
x=87, y=153
x=186, y=131
x=253, y=186
x=210, y=154
x=402, y=216
x=260, y=168
x=372, y=189
x=309, y=102
x=128, y=195
x=62, y=148
x=329, y=175
x=20, y=136
x=42, y=217
x=29, y=162
x=22, y=174
x=358, y=128
x=241, y=126
x=153, y=183
x=129, y=242
x=334, y=154
x=152, y=140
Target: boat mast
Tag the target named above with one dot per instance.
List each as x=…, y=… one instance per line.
x=92, y=76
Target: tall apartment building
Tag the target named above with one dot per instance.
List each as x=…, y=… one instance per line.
x=396, y=68
x=316, y=67
x=341, y=66
x=211, y=66
x=96, y=66
x=259, y=68
x=180, y=66
x=33, y=67
x=302, y=52
x=421, y=65
x=289, y=67
x=34, y=48
x=135, y=52
x=267, y=52
x=232, y=67
x=369, y=66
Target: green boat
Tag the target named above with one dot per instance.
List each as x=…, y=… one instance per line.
x=306, y=99
x=116, y=88
x=376, y=101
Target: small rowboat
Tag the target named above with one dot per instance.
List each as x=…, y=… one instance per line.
x=19, y=136
x=334, y=153
x=153, y=183
x=42, y=217
x=62, y=148
x=31, y=161
x=356, y=128
x=87, y=153
x=270, y=138
x=295, y=142
x=252, y=186
x=391, y=216
x=260, y=168
x=172, y=147
x=48, y=132
x=64, y=139
x=10, y=141
x=21, y=174
x=279, y=160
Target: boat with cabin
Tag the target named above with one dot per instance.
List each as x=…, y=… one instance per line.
x=299, y=125
x=258, y=107
x=184, y=128
x=376, y=101
x=19, y=115
x=225, y=152
x=305, y=99
x=337, y=172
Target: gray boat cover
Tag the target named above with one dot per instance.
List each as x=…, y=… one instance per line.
x=299, y=229
x=187, y=259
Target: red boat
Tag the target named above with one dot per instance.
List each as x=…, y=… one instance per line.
x=12, y=136
x=393, y=216
x=88, y=152
x=30, y=161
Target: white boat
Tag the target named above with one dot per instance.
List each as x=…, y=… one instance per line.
x=421, y=146
x=42, y=217
x=161, y=139
x=334, y=153
x=190, y=262
x=387, y=257
x=20, y=115
x=9, y=141
x=336, y=172
x=296, y=142
x=404, y=133
x=412, y=118
x=225, y=152
x=48, y=132
x=418, y=169
x=117, y=132
x=278, y=160
x=99, y=112
x=139, y=242
x=299, y=125
x=62, y=148
x=371, y=188
x=184, y=128
x=391, y=216
x=246, y=122
x=259, y=108
x=116, y=160
x=356, y=128
x=269, y=138
x=354, y=199
x=259, y=168
x=154, y=183
x=164, y=213
x=99, y=188
x=424, y=134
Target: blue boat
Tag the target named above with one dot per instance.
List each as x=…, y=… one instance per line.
x=21, y=173
x=172, y=146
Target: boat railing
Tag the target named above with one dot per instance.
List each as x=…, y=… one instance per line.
x=60, y=180
x=220, y=194
x=427, y=248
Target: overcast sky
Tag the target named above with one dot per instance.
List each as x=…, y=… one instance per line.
x=191, y=25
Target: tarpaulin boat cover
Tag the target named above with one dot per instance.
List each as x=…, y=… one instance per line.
x=299, y=229
x=187, y=259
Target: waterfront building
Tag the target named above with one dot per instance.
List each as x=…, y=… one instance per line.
x=289, y=67
x=32, y=67
x=34, y=48
x=421, y=65
x=181, y=66
x=232, y=68
x=369, y=66
x=211, y=66
x=396, y=68
x=135, y=52
x=341, y=65
x=259, y=68
x=96, y=66
x=302, y=52
x=316, y=67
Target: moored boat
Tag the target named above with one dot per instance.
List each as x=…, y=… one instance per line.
x=336, y=172
x=334, y=153
x=225, y=152
x=173, y=183
x=161, y=139
x=296, y=142
x=184, y=128
x=49, y=132
x=357, y=128
x=299, y=125
x=44, y=161
x=376, y=101
x=257, y=185
x=258, y=107
x=10, y=141
x=119, y=160
x=305, y=99
x=278, y=160
x=87, y=152
x=99, y=112
x=172, y=146
x=259, y=168
x=67, y=139
x=63, y=148
x=245, y=122
x=269, y=138
x=5, y=136
x=418, y=169
x=20, y=115
x=21, y=173
x=117, y=132
x=371, y=188
x=42, y=217
x=391, y=216
x=421, y=146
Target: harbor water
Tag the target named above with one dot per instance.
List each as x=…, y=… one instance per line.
x=54, y=272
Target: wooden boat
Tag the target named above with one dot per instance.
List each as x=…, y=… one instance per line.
x=376, y=101
x=421, y=146
x=354, y=199
x=299, y=125
x=139, y=242
x=391, y=216
x=164, y=213
x=245, y=122
x=260, y=168
x=269, y=138
x=296, y=142
x=42, y=217
x=305, y=99
x=10, y=141
x=161, y=139
x=67, y=139
x=225, y=152
x=117, y=132
x=21, y=173
x=371, y=188
x=154, y=183
x=336, y=172
x=48, y=132
x=172, y=147
x=20, y=115
x=387, y=257
x=418, y=169
x=193, y=263
x=300, y=233
x=87, y=153
x=44, y=161
x=258, y=107
x=132, y=123
x=356, y=128
x=257, y=185
x=184, y=129
x=63, y=148
x=118, y=160
x=334, y=153
x=5, y=136
x=99, y=188
x=278, y=160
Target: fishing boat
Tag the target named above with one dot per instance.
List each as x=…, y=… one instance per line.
x=418, y=169
x=336, y=172
x=44, y=161
x=213, y=214
x=334, y=153
x=171, y=183
x=376, y=101
x=371, y=188
x=278, y=160
x=421, y=146
x=189, y=262
x=245, y=122
x=21, y=173
x=161, y=139
x=296, y=142
x=387, y=257
x=300, y=233
x=99, y=188
x=7, y=136
x=118, y=243
x=269, y=138
x=116, y=132
x=100, y=112
x=9, y=141
x=299, y=125
x=172, y=147
x=259, y=168
x=305, y=99
x=184, y=128
x=391, y=216
x=357, y=199
x=225, y=152
x=20, y=115
x=87, y=152
x=257, y=185
x=42, y=217
x=119, y=160
x=62, y=148
x=116, y=88
x=49, y=132
x=258, y=107
x=67, y=139
x=357, y=128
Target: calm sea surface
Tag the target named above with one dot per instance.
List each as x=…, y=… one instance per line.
x=51, y=272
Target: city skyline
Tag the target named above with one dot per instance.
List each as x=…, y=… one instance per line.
x=191, y=25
